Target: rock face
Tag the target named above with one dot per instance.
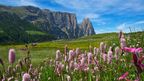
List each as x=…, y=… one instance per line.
x=86, y=28
x=59, y=24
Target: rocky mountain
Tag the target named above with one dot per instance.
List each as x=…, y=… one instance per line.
x=59, y=24
x=86, y=28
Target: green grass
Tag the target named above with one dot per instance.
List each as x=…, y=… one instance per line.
x=35, y=33
x=1, y=32
x=45, y=50
x=82, y=42
x=37, y=54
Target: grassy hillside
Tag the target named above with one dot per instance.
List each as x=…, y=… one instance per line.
x=82, y=42
x=42, y=49
x=47, y=49
x=15, y=30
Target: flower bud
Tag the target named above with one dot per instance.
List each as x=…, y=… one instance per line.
x=26, y=77
x=11, y=56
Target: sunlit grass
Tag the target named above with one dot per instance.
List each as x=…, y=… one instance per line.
x=47, y=50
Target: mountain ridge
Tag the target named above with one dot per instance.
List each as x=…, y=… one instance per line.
x=60, y=24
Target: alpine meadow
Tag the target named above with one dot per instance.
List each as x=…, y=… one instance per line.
x=61, y=40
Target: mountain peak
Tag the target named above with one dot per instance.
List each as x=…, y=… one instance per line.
x=86, y=19
x=86, y=27
x=59, y=24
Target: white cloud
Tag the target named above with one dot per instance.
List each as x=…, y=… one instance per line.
x=104, y=5
x=100, y=31
x=124, y=27
x=77, y=4
x=121, y=26
x=139, y=22
x=104, y=30
x=95, y=18
x=131, y=27
x=27, y=2
x=96, y=10
x=21, y=2
x=92, y=15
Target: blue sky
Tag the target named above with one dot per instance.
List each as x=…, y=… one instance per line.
x=105, y=15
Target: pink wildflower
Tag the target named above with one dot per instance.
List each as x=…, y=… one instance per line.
x=58, y=55
x=77, y=51
x=122, y=43
x=122, y=77
x=11, y=56
x=120, y=34
x=110, y=55
x=71, y=55
x=117, y=51
x=104, y=57
x=26, y=77
x=133, y=50
x=90, y=58
x=102, y=47
x=96, y=51
x=83, y=61
x=137, y=61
